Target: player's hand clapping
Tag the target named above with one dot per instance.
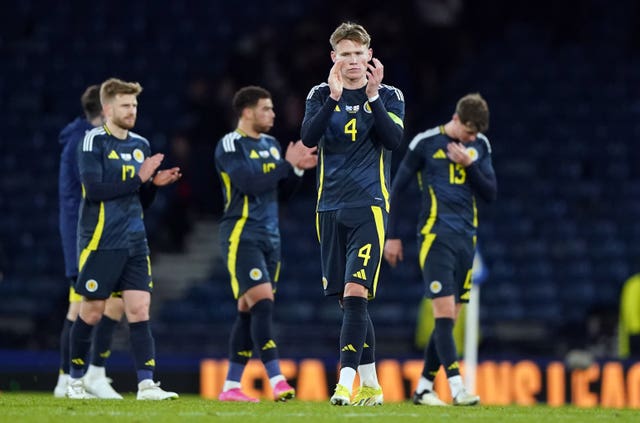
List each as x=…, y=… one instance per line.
x=335, y=80
x=301, y=156
x=375, y=73
x=149, y=166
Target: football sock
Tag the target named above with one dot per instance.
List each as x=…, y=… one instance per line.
x=368, y=376
x=347, y=376
x=273, y=381
x=456, y=385
x=102, y=340
x=431, y=360
x=143, y=347
x=64, y=346
x=262, y=335
x=445, y=345
x=240, y=346
x=424, y=384
x=367, y=367
x=79, y=344
x=353, y=331
x=369, y=349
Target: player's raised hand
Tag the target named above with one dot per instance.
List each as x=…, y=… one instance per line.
x=375, y=73
x=149, y=166
x=457, y=153
x=167, y=176
x=335, y=80
x=393, y=251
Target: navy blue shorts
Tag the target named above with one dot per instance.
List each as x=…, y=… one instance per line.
x=110, y=271
x=251, y=263
x=351, y=244
x=446, y=262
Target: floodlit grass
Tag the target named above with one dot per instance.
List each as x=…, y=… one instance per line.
x=41, y=407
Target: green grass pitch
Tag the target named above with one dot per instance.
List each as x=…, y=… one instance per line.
x=42, y=407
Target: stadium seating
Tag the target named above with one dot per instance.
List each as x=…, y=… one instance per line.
x=559, y=241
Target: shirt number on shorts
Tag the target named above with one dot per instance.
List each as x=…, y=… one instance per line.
x=365, y=253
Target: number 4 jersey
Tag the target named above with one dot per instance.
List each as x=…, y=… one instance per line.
x=353, y=165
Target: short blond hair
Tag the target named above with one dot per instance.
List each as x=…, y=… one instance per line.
x=350, y=31
x=473, y=112
x=114, y=86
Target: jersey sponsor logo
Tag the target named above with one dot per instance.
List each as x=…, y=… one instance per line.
x=367, y=107
x=91, y=285
x=113, y=155
x=264, y=154
x=275, y=153
x=255, y=274
x=435, y=287
x=138, y=155
x=126, y=157
x=473, y=153
x=439, y=154
x=253, y=155
x=352, y=109
x=360, y=274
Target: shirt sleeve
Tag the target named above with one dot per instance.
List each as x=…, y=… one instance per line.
x=482, y=179
x=411, y=163
x=388, y=125
x=316, y=118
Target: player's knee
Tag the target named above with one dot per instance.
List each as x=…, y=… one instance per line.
x=114, y=308
x=355, y=290
x=137, y=312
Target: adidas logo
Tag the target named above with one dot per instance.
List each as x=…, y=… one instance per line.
x=454, y=365
x=105, y=354
x=270, y=344
x=348, y=347
x=151, y=362
x=246, y=353
x=360, y=274
x=253, y=155
x=113, y=155
x=78, y=361
x=337, y=108
x=439, y=154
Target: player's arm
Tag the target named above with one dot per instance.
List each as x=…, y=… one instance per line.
x=147, y=194
x=483, y=181
x=316, y=118
x=388, y=123
x=411, y=163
